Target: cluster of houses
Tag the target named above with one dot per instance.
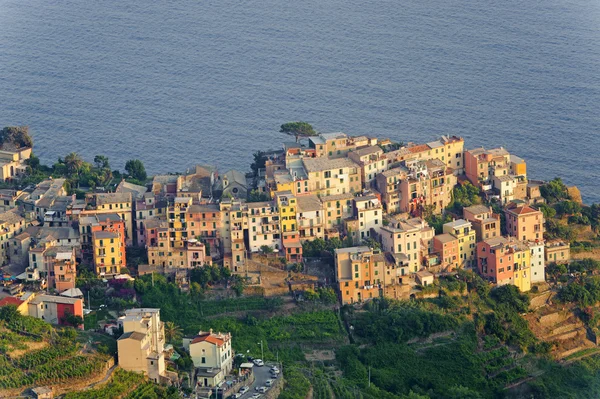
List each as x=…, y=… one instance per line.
x=333, y=186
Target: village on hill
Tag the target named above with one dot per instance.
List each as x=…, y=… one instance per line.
x=156, y=278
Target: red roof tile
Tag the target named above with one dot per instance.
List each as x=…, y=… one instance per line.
x=208, y=338
x=10, y=300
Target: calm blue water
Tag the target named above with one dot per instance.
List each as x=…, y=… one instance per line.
x=210, y=81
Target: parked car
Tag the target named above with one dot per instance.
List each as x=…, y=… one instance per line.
x=275, y=372
x=250, y=358
x=269, y=383
x=256, y=396
x=236, y=395
x=244, y=389
x=263, y=389
x=258, y=362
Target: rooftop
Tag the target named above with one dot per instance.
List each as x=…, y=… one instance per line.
x=445, y=238
x=135, y=335
x=459, y=223
x=477, y=209
x=112, y=198
x=322, y=164
x=309, y=203
x=352, y=250
x=105, y=234
x=54, y=299
x=522, y=210
x=368, y=150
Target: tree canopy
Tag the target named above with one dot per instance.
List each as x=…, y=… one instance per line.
x=298, y=129
x=16, y=135
x=135, y=168
x=555, y=190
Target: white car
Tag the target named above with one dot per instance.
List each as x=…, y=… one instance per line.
x=244, y=389
x=256, y=396
x=269, y=383
x=263, y=389
x=259, y=362
x=275, y=372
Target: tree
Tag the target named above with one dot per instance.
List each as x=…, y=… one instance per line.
x=568, y=208
x=9, y=313
x=555, y=190
x=298, y=129
x=135, y=169
x=16, y=135
x=260, y=159
x=463, y=196
x=265, y=249
x=257, y=196
x=548, y=211
x=101, y=162
x=172, y=331
x=73, y=162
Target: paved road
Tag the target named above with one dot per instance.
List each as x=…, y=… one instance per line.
x=261, y=374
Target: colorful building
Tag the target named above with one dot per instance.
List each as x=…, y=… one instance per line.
x=505, y=260
x=446, y=246
x=55, y=309
x=360, y=274
x=332, y=176
x=524, y=223
x=483, y=220
x=466, y=236
x=109, y=252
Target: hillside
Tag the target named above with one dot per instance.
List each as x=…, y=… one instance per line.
x=36, y=354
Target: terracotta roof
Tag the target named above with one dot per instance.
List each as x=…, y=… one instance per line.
x=10, y=300
x=419, y=148
x=208, y=338
x=521, y=210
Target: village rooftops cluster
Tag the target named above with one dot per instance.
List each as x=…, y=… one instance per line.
x=361, y=189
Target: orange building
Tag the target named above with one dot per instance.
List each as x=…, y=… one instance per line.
x=524, y=223
x=446, y=245
x=360, y=274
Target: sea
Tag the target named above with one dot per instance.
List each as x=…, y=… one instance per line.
x=179, y=83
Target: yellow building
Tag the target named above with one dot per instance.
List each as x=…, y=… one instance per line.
x=287, y=206
x=108, y=252
x=522, y=267
x=119, y=203
x=467, y=241
x=177, y=217
x=360, y=273
x=336, y=208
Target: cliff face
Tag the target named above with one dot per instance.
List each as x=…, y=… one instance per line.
x=575, y=194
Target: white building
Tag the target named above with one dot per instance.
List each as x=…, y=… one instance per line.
x=369, y=212
x=537, y=259
x=263, y=226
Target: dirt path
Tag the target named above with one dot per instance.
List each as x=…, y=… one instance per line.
x=109, y=373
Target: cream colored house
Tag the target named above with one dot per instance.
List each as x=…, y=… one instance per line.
x=141, y=347
x=212, y=355
x=332, y=176
x=371, y=161
x=119, y=203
